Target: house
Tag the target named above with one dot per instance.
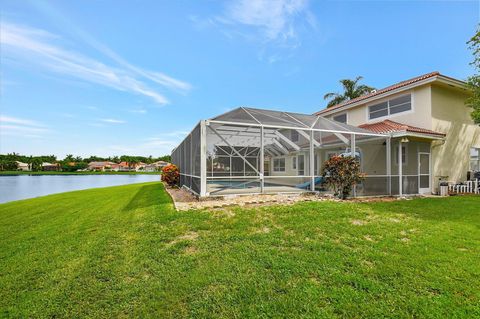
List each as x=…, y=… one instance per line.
x=123, y=167
x=140, y=166
x=156, y=166
x=406, y=138
x=50, y=167
x=128, y=167
x=100, y=166
x=429, y=123
x=22, y=166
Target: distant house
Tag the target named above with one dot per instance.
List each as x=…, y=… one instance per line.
x=128, y=167
x=22, y=166
x=140, y=166
x=100, y=166
x=157, y=166
x=114, y=167
x=50, y=167
x=123, y=167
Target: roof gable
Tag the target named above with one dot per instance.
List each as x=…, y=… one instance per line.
x=416, y=81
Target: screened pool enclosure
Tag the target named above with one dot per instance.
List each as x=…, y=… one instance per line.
x=251, y=150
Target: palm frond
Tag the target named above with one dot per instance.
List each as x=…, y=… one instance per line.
x=330, y=95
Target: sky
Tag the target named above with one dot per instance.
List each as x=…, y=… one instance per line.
x=133, y=77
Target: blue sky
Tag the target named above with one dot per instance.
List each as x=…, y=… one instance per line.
x=124, y=77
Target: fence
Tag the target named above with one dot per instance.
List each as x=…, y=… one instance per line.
x=468, y=187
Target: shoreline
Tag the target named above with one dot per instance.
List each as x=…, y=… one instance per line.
x=36, y=173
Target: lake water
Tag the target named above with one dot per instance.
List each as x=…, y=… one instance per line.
x=29, y=186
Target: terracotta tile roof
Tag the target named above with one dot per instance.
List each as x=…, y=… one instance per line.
x=381, y=91
x=388, y=126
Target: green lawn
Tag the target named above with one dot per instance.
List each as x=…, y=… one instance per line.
x=124, y=252
x=75, y=173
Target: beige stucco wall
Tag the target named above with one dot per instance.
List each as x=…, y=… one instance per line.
x=452, y=117
x=418, y=116
x=440, y=108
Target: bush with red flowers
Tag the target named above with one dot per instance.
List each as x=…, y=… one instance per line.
x=171, y=175
x=341, y=173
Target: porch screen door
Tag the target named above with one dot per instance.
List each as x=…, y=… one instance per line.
x=424, y=173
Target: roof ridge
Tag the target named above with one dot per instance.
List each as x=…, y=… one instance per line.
x=382, y=90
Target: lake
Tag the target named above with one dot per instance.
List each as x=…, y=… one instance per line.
x=29, y=186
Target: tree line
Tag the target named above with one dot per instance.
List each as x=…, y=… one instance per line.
x=71, y=163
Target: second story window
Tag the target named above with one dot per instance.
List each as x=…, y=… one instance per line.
x=393, y=106
x=342, y=118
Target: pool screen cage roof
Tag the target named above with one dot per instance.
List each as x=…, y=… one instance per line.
x=250, y=135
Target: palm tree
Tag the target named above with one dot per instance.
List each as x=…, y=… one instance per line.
x=351, y=90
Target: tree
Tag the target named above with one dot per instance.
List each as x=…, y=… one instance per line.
x=351, y=90
x=473, y=82
x=341, y=173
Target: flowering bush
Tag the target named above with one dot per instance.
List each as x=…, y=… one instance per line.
x=341, y=173
x=171, y=174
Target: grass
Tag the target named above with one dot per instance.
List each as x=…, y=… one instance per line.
x=75, y=173
x=124, y=252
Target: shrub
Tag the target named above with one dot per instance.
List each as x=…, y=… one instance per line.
x=341, y=173
x=171, y=175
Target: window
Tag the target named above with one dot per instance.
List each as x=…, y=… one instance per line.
x=393, y=106
x=342, y=118
x=404, y=155
x=301, y=165
x=294, y=136
x=475, y=159
x=294, y=162
x=279, y=165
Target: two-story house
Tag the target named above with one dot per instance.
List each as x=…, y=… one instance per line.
x=430, y=125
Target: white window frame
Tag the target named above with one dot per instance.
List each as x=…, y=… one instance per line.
x=294, y=163
x=339, y=114
x=367, y=108
x=274, y=166
x=404, y=153
x=474, y=158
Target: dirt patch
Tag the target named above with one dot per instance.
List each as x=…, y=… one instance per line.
x=190, y=250
x=185, y=200
x=191, y=235
x=358, y=222
x=188, y=236
x=180, y=195
x=264, y=230
x=368, y=238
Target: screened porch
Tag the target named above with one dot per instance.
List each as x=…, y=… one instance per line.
x=256, y=151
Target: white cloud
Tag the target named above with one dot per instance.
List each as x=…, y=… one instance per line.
x=16, y=120
x=36, y=46
x=138, y=111
x=113, y=121
x=276, y=20
x=20, y=127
